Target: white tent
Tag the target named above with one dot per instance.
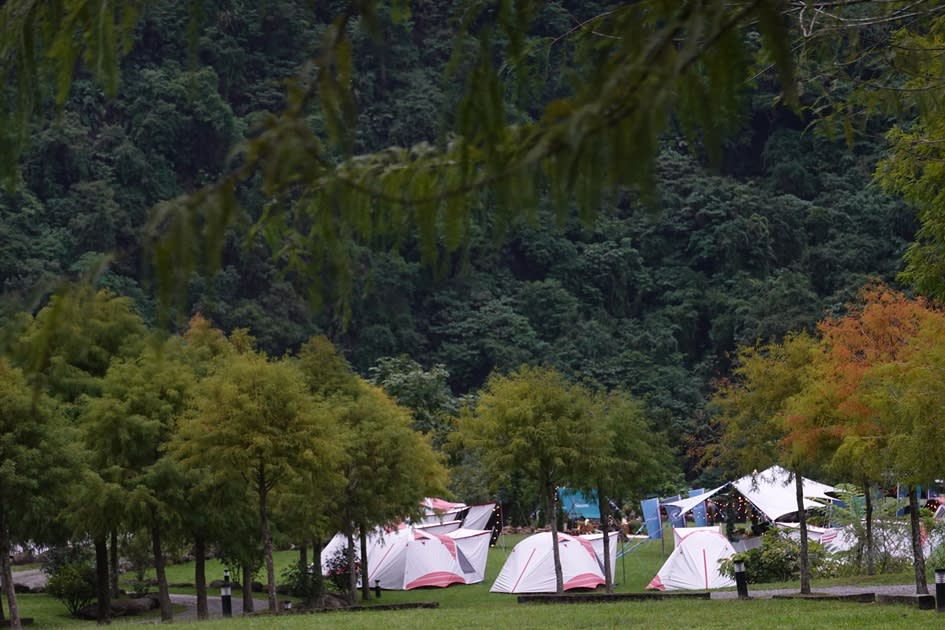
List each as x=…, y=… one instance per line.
x=478, y=516
x=530, y=566
x=597, y=542
x=694, y=563
x=387, y=557
x=472, y=547
x=771, y=492
x=431, y=560
x=441, y=511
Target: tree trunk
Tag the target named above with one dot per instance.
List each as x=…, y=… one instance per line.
x=113, y=564
x=267, y=543
x=248, y=604
x=802, y=521
x=6, y=573
x=552, y=498
x=365, y=587
x=200, y=575
x=352, y=568
x=103, y=608
x=303, y=557
x=921, y=587
x=870, y=548
x=164, y=596
x=604, y=508
x=318, y=581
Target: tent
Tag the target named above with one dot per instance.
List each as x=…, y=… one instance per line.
x=472, y=548
x=478, y=516
x=530, y=566
x=578, y=506
x=597, y=542
x=694, y=563
x=771, y=492
x=411, y=557
x=430, y=560
x=440, y=511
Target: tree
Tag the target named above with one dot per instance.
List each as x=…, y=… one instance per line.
x=875, y=331
x=425, y=392
x=626, y=458
x=126, y=430
x=254, y=419
x=535, y=423
x=37, y=466
x=388, y=468
x=904, y=391
x=67, y=349
x=761, y=424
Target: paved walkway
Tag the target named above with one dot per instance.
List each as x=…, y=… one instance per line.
x=879, y=589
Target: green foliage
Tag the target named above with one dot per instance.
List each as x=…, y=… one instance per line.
x=337, y=569
x=776, y=560
x=73, y=583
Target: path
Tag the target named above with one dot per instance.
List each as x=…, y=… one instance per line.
x=879, y=589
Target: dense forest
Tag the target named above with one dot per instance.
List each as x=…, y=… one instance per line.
x=653, y=294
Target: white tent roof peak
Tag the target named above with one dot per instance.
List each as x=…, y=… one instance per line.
x=771, y=491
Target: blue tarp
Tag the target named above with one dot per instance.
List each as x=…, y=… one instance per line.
x=576, y=505
x=651, y=515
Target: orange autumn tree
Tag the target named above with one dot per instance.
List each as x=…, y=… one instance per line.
x=907, y=394
x=875, y=332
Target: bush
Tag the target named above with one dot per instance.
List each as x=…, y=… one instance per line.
x=778, y=559
x=74, y=585
x=305, y=583
x=338, y=569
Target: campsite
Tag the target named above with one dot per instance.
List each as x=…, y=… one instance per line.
x=475, y=607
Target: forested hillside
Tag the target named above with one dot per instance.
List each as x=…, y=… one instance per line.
x=652, y=294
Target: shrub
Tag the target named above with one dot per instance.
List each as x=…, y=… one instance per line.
x=73, y=584
x=305, y=583
x=777, y=559
x=337, y=569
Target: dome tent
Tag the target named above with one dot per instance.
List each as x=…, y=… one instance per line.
x=530, y=566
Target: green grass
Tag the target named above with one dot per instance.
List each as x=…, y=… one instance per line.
x=762, y=614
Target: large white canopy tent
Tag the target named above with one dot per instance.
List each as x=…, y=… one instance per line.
x=771, y=492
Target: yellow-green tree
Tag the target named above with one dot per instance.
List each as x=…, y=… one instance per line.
x=388, y=468
x=763, y=418
x=37, y=468
x=535, y=423
x=254, y=419
x=625, y=458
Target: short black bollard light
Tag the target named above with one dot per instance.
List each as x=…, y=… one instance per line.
x=377, y=589
x=741, y=581
x=226, y=599
x=939, y=590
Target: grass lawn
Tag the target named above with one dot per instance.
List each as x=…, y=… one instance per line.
x=475, y=607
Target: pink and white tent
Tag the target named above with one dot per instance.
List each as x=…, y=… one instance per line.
x=694, y=563
x=472, y=546
x=437, y=510
x=530, y=566
x=597, y=541
x=431, y=560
